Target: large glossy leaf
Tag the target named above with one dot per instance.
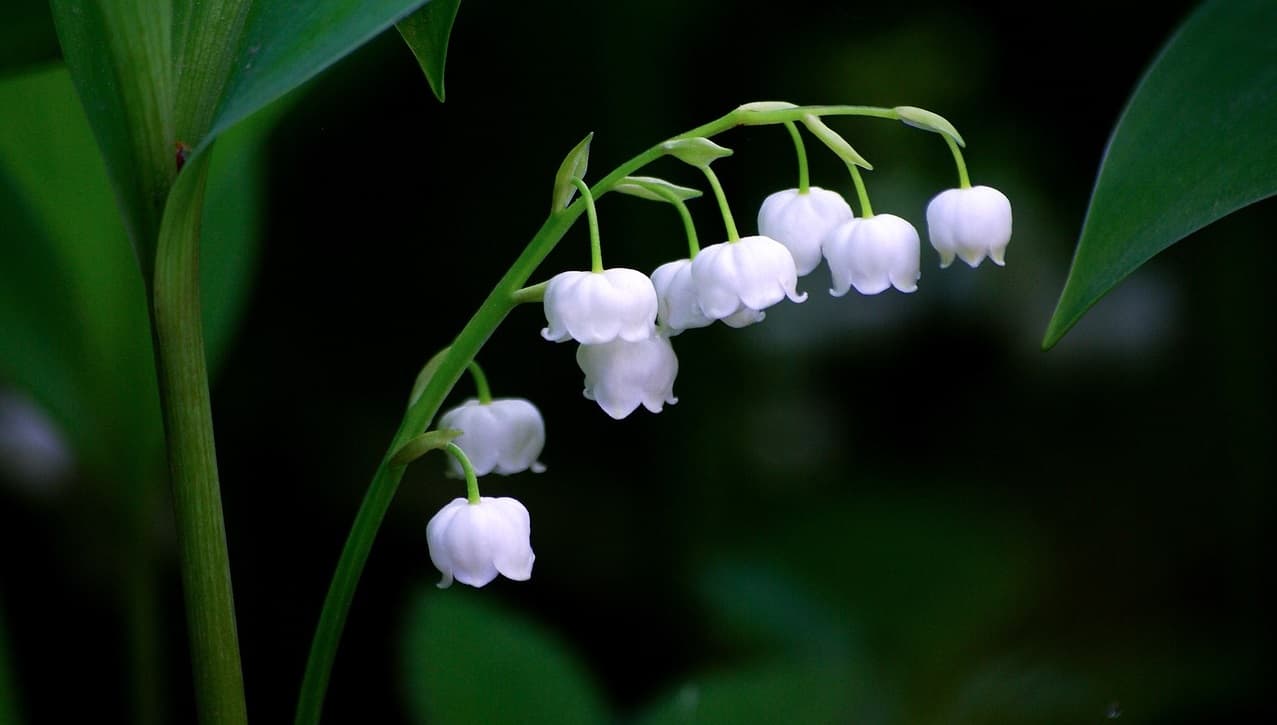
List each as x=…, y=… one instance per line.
x=427, y=32
x=467, y=661
x=26, y=35
x=286, y=44
x=1195, y=143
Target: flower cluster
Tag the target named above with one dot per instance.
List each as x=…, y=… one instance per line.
x=623, y=320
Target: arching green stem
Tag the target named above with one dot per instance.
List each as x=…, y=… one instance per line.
x=596, y=247
x=721, y=198
x=472, y=481
x=438, y=381
x=804, y=181
x=866, y=209
x=964, y=181
x=480, y=383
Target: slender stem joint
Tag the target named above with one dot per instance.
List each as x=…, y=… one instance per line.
x=472, y=481
x=804, y=180
x=721, y=198
x=964, y=181
x=480, y=383
x=596, y=247
x=866, y=210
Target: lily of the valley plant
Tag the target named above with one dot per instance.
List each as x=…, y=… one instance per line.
x=623, y=320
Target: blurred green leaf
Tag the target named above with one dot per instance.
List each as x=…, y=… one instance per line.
x=118, y=55
x=466, y=661
x=39, y=332
x=26, y=35
x=73, y=321
x=426, y=32
x=777, y=693
x=1194, y=144
x=94, y=321
x=760, y=605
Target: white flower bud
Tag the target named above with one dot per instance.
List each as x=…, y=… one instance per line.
x=873, y=254
x=970, y=223
x=504, y=436
x=475, y=542
x=621, y=375
x=736, y=281
x=597, y=307
x=677, y=308
x=801, y=222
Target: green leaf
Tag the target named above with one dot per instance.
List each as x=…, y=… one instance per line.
x=835, y=142
x=283, y=45
x=770, y=693
x=466, y=661
x=697, y=151
x=1195, y=143
x=119, y=57
x=928, y=121
x=426, y=32
x=654, y=189
x=574, y=166
x=26, y=35
x=73, y=323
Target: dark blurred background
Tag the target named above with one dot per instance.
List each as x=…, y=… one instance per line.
x=895, y=503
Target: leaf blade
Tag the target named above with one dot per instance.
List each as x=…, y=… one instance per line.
x=1193, y=145
x=426, y=32
x=282, y=46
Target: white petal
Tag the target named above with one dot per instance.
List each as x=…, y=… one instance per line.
x=801, y=221
x=513, y=555
x=752, y=272
x=598, y=307
x=971, y=224
x=622, y=375
x=440, y=555
x=677, y=308
x=504, y=436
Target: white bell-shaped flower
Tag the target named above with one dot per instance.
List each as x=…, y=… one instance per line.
x=736, y=281
x=473, y=542
x=504, y=436
x=801, y=222
x=677, y=307
x=970, y=223
x=597, y=307
x=872, y=254
x=621, y=375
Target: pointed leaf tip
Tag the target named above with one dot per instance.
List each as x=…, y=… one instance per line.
x=574, y=166
x=426, y=33
x=1204, y=110
x=928, y=121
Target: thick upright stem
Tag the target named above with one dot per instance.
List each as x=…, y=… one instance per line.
x=188, y=427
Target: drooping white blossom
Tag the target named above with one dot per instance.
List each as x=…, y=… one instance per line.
x=736, y=281
x=504, y=436
x=620, y=376
x=597, y=307
x=677, y=306
x=872, y=254
x=474, y=542
x=970, y=223
x=801, y=221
